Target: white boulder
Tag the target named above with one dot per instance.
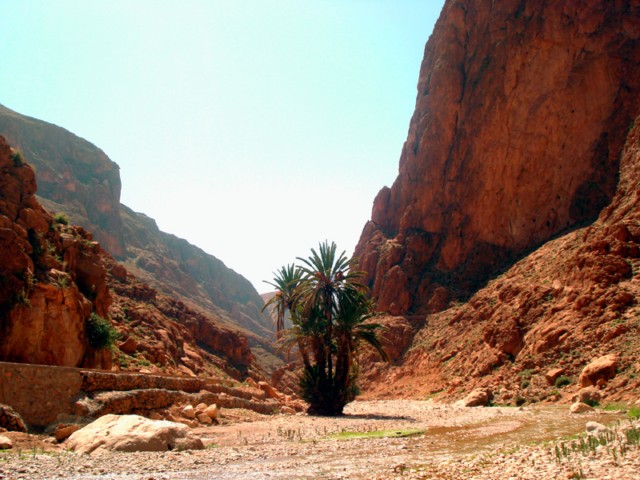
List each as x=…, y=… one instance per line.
x=132, y=433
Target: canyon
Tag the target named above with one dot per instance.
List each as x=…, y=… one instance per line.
x=504, y=256
x=504, y=260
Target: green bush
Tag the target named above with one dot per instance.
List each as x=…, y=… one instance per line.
x=100, y=332
x=17, y=158
x=61, y=218
x=562, y=381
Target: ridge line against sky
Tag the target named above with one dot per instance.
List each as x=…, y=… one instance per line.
x=255, y=130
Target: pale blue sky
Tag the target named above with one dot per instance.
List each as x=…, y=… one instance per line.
x=254, y=129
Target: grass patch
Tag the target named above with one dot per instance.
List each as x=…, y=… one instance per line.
x=378, y=434
x=633, y=412
x=615, y=407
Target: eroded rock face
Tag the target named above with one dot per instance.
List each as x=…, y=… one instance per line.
x=521, y=114
x=565, y=316
x=52, y=277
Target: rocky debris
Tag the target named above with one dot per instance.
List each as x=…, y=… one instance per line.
x=262, y=447
x=11, y=420
x=132, y=433
x=602, y=368
x=5, y=443
x=161, y=332
x=480, y=397
x=579, y=407
x=145, y=400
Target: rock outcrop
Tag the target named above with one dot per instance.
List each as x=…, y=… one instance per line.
x=571, y=306
x=52, y=277
x=521, y=114
x=11, y=420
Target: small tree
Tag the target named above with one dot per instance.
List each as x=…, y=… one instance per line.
x=329, y=312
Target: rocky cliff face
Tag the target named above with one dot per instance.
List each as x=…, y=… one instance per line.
x=574, y=299
x=51, y=277
x=78, y=179
x=484, y=249
x=521, y=115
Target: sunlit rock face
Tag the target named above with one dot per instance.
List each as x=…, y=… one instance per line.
x=521, y=114
x=51, y=277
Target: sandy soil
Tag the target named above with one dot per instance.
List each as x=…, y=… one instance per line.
x=454, y=443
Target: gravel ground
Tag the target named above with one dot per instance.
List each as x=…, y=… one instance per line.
x=455, y=443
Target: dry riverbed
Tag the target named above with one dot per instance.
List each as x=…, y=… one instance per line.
x=374, y=440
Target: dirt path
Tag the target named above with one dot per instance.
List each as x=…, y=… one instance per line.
x=455, y=443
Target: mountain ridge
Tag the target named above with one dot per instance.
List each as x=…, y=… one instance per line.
x=77, y=178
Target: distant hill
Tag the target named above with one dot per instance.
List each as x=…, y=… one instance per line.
x=77, y=178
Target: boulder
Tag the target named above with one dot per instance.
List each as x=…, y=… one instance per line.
x=480, y=397
x=204, y=418
x=212, y=411
x=5, y=443
x=552, y=375
x=132, y=433
x=11, y=420
x=579, y=407
x=269, y=390
x=189, y=411
x=64, y=431
x=589, y=395
x=601, y=368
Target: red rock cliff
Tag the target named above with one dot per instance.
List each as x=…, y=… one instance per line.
x=51, y=277
x=521, y=114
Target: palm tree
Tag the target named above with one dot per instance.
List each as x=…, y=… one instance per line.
x=328, y=310
x=285, y=282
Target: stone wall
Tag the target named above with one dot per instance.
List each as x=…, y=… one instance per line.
x=40, y=393
x=44, y=394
